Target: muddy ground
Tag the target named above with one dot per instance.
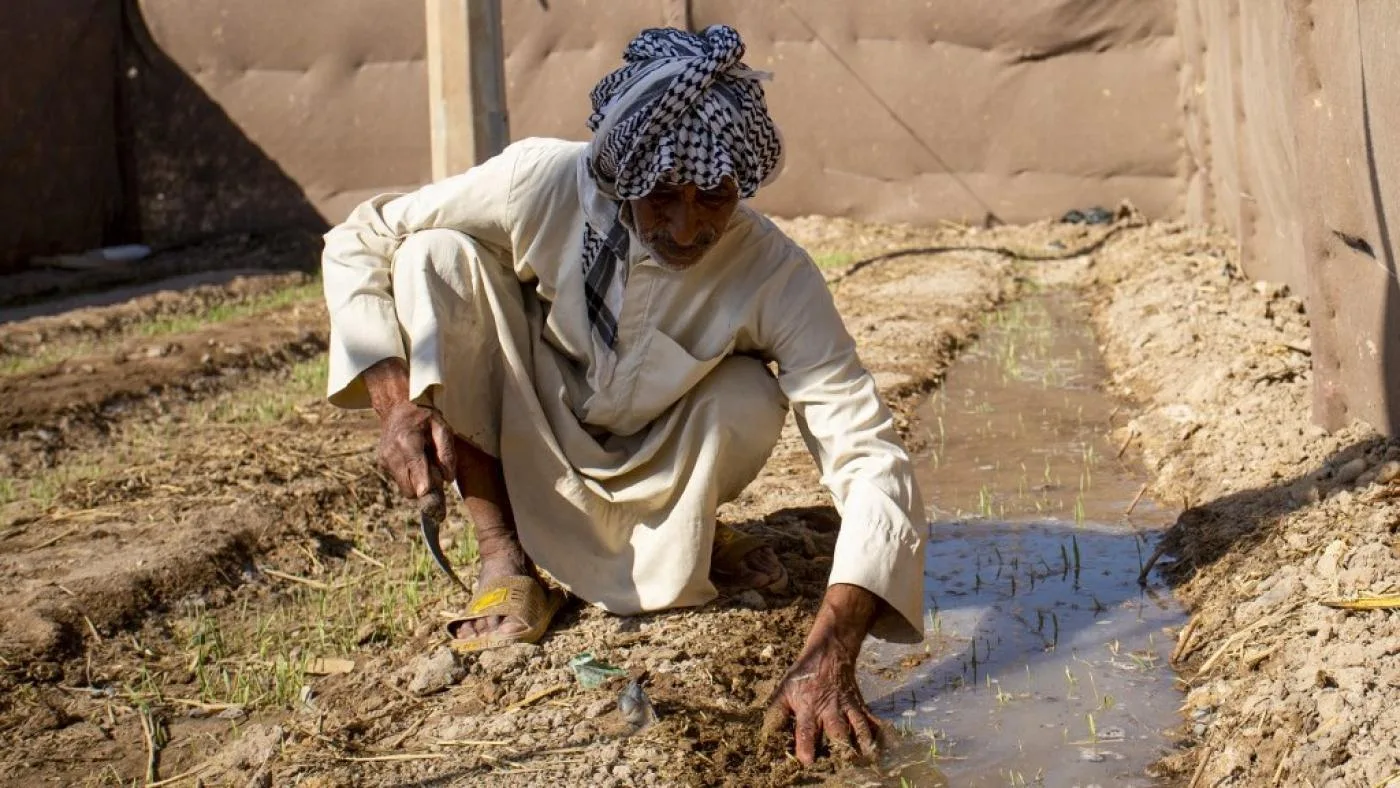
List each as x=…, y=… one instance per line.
x=1279, y=517
x=206, y=578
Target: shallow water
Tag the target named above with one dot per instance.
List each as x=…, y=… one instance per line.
x=1044, y=659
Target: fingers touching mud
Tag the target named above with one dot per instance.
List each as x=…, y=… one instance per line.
x=820, y=697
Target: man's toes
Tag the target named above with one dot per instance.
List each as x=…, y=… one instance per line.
x=497, y=625
x=763, y=566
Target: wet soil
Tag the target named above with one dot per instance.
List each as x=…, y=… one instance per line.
x=1046, y=660
x=184, y=572
x=186, y=548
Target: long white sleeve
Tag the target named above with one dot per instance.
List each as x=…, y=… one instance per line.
x=851, y=434
x=358, y=258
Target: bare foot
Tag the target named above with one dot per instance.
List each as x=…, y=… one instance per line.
x=759, y=569
x=503, y=563
x=482, y=482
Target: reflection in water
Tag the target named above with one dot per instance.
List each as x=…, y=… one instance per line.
x=1044, y=660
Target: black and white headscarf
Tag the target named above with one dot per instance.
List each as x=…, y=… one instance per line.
x=682, y=109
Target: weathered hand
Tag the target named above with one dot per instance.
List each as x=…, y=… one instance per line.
x=820, y=694
x=416, y=448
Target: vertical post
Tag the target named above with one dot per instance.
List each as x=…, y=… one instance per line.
x=676, y=13
x=466, y=84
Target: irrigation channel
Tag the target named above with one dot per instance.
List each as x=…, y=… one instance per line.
x=1045, y=661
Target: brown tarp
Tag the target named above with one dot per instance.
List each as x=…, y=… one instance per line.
x=255, y=115
x=910, y=112
x=920, y=111
x=59, y=182
x=170, y=120
x=1347, y=104
x=237, y=117
x=1290, y=113
x=1237, y=100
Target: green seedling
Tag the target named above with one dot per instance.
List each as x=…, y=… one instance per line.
x=1003, y=697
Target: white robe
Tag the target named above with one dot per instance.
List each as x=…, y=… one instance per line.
x=616, y=458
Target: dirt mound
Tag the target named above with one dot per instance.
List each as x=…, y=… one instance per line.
x=285, y=250
x=64, y=325
x=86, y=387
x=58, y=593
x=1279, y=517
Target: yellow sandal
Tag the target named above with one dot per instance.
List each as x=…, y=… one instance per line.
x=731, y=547
x=515, y=596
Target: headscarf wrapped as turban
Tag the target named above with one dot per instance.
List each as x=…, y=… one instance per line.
x=681, y=109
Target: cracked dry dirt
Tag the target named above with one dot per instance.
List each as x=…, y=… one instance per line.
x=202, y=563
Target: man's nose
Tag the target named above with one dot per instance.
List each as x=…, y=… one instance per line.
x=684, y=221
x=684, y=228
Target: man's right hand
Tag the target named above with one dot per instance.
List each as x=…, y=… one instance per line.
x=416, y=446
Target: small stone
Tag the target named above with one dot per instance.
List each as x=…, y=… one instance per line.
x=1307, y=492
x=1092, y=756
x=1330, y=562
x=766, y=654
x=1350, y=470
x=1388, y=472
x=597, y=708
x=252, y=751
x=435, y=671
x=234, y=713
x=1113, y=734
x=1199, y=729
x=752, y=600
x=502, y=660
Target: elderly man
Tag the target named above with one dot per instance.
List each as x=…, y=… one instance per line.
x=579, y=336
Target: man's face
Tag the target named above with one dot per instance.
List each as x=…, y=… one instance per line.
x=679, y=223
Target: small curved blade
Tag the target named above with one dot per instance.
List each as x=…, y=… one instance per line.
x=431, y=509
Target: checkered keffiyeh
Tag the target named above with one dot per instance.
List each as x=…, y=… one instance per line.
x=682, y=109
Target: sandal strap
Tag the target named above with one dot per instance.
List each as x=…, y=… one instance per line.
x=731, y=545
x=516, y=596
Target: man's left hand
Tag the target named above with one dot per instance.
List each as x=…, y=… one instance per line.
x=819, y=693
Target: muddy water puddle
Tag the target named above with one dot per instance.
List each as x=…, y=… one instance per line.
x=1045, y=661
